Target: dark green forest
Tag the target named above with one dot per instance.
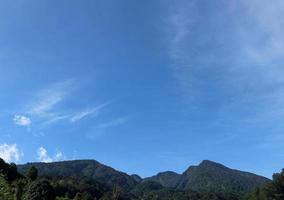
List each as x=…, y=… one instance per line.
x=90, y=180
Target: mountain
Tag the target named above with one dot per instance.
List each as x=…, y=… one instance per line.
x=166, y=179
x=137, y=178
x=89, y=179
x=83, y=168
x=209, y=176
x=209, y=180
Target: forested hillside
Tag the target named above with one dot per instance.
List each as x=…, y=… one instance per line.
x=271, y=191
x=89, y=179
x=90, y=169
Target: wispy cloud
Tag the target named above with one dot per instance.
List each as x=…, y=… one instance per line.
x=241, y=47
x=10, y=152
x=231, y=59
x=47, y=99
x=47, y=107
x=266, y=16
x=84, y=113
x=44, y=157
x=180, y=21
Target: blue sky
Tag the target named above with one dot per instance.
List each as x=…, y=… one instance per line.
x=143, y=86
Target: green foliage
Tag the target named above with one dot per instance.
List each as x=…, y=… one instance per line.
x=6, y=191
x=84, y=168
x=70, y=186
x=32, y=173
x=40, y=190
x=271, y=191
x=275, y=190
x=210, y=177
x=208, y=181
x=62, y=198
x=166, y=179
x=19, y=188
x=83, y=196
x=150, y=190
x=146, y=187
x=10, y=171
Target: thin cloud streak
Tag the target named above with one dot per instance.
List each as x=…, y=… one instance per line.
x=84, y=113
x=46, y=110
x=48, y=98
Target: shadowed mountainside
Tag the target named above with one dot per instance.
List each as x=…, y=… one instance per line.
x=83, y=168
x=207, y=177
x=166, y=179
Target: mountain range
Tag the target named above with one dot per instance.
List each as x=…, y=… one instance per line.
x=208, y=176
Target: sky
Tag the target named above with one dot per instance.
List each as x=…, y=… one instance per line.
x=143, y=86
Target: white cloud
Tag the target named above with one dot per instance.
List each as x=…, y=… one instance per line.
x=44, y=157
x=22, y=120
x=10, y=152
x=46, y=107
x=58, y=156
x=82, y=114
x=47, y=99
x=54, y=119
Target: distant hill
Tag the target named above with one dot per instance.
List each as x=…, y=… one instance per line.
x=166, y=179
x=83, y=168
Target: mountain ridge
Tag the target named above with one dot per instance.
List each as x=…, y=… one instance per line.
x=208, y=176
x=83, y=168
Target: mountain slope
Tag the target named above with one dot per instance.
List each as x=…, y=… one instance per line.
x=166, y=179
x=214, y=177
x=210, y=177
x=137, y=178
x=206, y=178
x=83, y=168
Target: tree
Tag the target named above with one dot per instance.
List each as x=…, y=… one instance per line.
x=19, y=188
x=32, y=173
x=13, y=172
x=40, y=190
x=275, y=190
x=272, y=191
x=82, y=196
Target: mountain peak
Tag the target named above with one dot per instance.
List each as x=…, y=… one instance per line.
x=166, y=179
x=137, y=178
x=209, y=163
x=209, y=173
x=167, y=173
